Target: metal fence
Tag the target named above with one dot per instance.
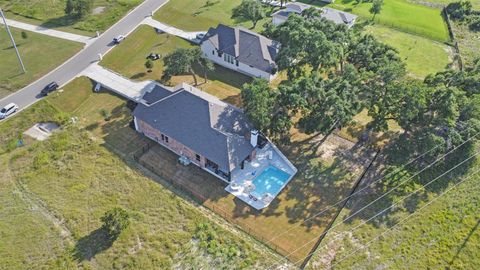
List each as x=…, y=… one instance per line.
x=201, y=199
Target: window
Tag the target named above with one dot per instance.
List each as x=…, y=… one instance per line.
x=197, y=157
x=236, y=62
x=166, y=139
x=163, y=137
x=213, y=52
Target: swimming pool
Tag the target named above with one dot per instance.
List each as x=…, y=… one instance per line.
x=271, y=180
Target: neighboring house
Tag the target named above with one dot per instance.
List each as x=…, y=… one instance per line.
x=336, y=16
x=241, y=50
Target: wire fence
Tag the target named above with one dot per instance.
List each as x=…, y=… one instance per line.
x=203, y=200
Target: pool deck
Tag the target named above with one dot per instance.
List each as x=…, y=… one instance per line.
x=242, y=179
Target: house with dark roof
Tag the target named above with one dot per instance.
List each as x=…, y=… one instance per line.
x=242, y=50
x=333, y=15
x=217, y=137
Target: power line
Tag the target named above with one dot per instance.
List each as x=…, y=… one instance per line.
x=403, y=220
x=326, y=208
x=379, y=213
x=401, y=183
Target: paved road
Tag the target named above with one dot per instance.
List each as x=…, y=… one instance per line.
x=69, y=70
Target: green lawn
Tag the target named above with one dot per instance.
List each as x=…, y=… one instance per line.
x=421, y=55
x=54, y=192
x=197, y=15
x=50, y=13
x=129, y=59
x=40, y=55
x=400, y=14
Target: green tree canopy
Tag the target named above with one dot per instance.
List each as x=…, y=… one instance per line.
x=250, y=10
x=78, y=8
x=115, y=221
x=181, y=61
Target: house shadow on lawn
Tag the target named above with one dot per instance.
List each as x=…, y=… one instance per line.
x=90, y=245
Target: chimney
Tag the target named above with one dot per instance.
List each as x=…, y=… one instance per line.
x=254, y=138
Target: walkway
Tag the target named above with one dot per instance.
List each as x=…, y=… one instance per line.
x=49, y=32
x=117, y=83
x=190, y=36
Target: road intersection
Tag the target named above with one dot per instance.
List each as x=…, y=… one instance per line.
x=75, y=65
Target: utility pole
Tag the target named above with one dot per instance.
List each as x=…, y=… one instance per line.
x=13, y=40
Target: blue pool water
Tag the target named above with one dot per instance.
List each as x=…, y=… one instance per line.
x=271, y=180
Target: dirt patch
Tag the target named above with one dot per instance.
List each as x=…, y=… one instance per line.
x=98, y=10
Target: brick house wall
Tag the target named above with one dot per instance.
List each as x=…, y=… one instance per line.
x=172, y=144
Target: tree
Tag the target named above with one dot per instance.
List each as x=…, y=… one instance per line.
x=250, y=10
x=259, y=102
x=310, y=43
x=376, y=8
x=78, y=8
x=207, y=66
x=328, y=104
x=115, y=221
x=24, y=35
x=182, y=60
x=149, y=65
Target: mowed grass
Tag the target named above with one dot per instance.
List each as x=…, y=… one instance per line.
x=50, y=13
x=421, y=55
x=198, y=15
x=400, y=14
x=40, y=54
x=444, y=234
x=77, y=175
x=129, y=60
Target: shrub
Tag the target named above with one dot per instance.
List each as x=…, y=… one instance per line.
x=115, y=221
x=24, y=35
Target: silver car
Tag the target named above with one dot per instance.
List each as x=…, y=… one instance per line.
x=8, y=110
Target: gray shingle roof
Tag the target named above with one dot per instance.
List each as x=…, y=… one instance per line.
x=334, y=15
x=246, y=46
x=203, y=123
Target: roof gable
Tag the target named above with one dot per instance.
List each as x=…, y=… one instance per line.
x=203, y=123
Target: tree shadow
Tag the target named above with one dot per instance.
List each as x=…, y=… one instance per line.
x=464, y=243
x=90, y=245
x=66, y=20
x=138, y=76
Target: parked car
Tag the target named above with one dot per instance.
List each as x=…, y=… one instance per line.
x=8, y=110
x=200, y=36
x=153, y=56
x=49, y=88
x=118, y=39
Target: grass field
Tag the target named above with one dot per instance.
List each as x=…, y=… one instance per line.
x=439, y=234
x=468, y=43
x=129, y=59
x=54, y=192
x=400, y=14
x=50, y=13
x=421, y=55
x=440, y=3
x=40, y=55
x=197, y=15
